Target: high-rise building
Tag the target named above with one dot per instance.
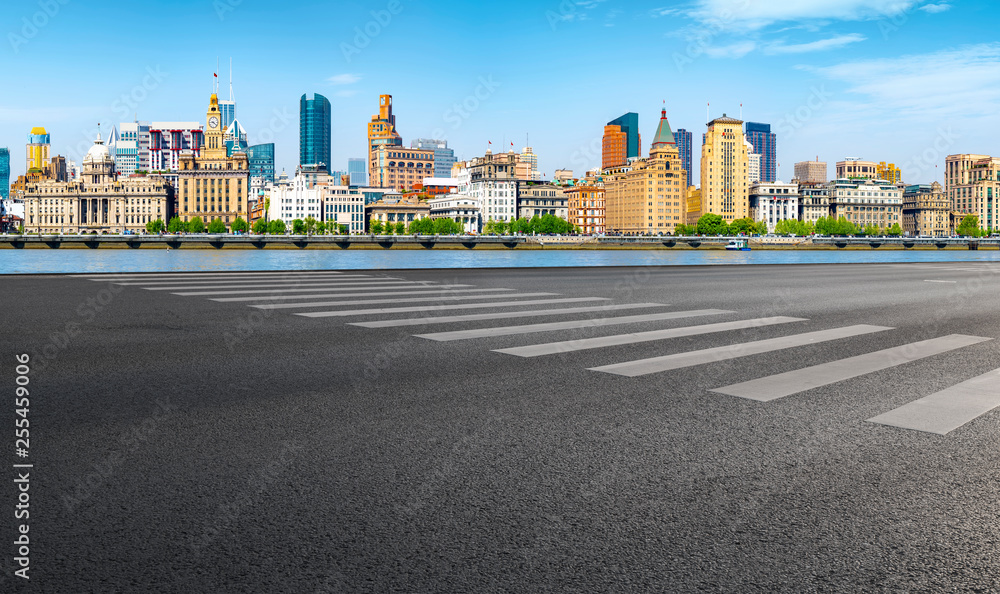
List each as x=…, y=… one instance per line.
x=260, y=158
x=213, y=185
x=724, y=170
x=813, y=172
x=37, y=150
x=889, y=172
x=764, y=144
x=314, y=131
x=444, y=157
x=390, y=164
x=753, y=165
x=4, y=173
x=167, y=140
x=492, y=181
x=972, y=185
x=530, y=159
x=357, y=169
x=621, y=141
x=235, y=138
x=647, y=196
x=684, y=140
x=856, y=169
x=381, y=133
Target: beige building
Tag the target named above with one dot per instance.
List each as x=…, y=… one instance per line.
x=866, y=202
x=694, y=210
x=926, y=211
x=647, y=197
x=586, y=207
x=725, y=170
x=213, y=185
x=856, y=169
x=814, y=201
x=811, y=171
x=97, y=202
x=400, y=168
x=972, y=186
x=540, y=199
x=397, y=209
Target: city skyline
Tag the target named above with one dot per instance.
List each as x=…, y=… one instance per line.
x=831, y=81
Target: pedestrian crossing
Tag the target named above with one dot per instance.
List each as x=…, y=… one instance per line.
x=583, y=324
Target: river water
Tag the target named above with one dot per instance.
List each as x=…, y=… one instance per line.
x=35, y=261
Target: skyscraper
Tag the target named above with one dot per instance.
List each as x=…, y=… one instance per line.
x=381, y=132
x=314, y=131
x=390, y=164
x=357, y=169
x=684, y=139
x=811, y=171
x=227, y=108
x=37, y=149
x=261, y=161
x=724, y=170
x=444, y=157
x=4, y=173
x=763, y=141
x=621, y=140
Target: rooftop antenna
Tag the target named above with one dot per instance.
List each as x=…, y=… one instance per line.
x=708, y=111
x=231, y=79
x=215, y=79
x=741, y=111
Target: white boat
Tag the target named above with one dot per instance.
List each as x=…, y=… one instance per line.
x=738, y=245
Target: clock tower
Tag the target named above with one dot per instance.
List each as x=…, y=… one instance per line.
x=215, y=146
x=213, y=185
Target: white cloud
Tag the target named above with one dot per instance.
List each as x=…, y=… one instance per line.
x=814, y=46
x=935, y=8
x=344, y=79
x=736, y=50
x=756, y=14
x=954, y=83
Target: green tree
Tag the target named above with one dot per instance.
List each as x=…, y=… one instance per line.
x=176, y=225
x=969, y=227
x=155, y=226
x=760, y=228
x=870, y=230
x=216, y=226
x=240, y=225
x=682, y=229
x=343, y=229
x=310, y=225
x=446, y=226
x=421, y=226
x=712, y=224
x=276, y=227
x=741, y=226
x=298, y=227
x=375, y=227
x=845, y=227
x=400, y=228
x=260, y=226
x=196, y=225
x=321, y=227
x=894, y=231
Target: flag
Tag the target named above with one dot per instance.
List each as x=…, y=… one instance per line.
x=489, y=142
x=215, y=74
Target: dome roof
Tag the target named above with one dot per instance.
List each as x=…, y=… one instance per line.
x=97, y=153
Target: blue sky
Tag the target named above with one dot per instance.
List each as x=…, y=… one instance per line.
x=896, y=80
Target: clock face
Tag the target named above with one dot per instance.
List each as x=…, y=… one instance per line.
x=213, y=122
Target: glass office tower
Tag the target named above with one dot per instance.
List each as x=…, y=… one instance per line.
x=314, y=131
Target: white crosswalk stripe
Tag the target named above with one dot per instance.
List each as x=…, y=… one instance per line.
x=240, y=281
x=196, y=275
x=733, y=351
x=493, y=315
x=792, y=382
x=550, y=326
x=566, y=346
x=442, y=295
x=383, y=290
x=338, y=283
x=949, y=409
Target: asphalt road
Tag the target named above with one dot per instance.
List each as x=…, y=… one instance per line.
x=195, y=443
